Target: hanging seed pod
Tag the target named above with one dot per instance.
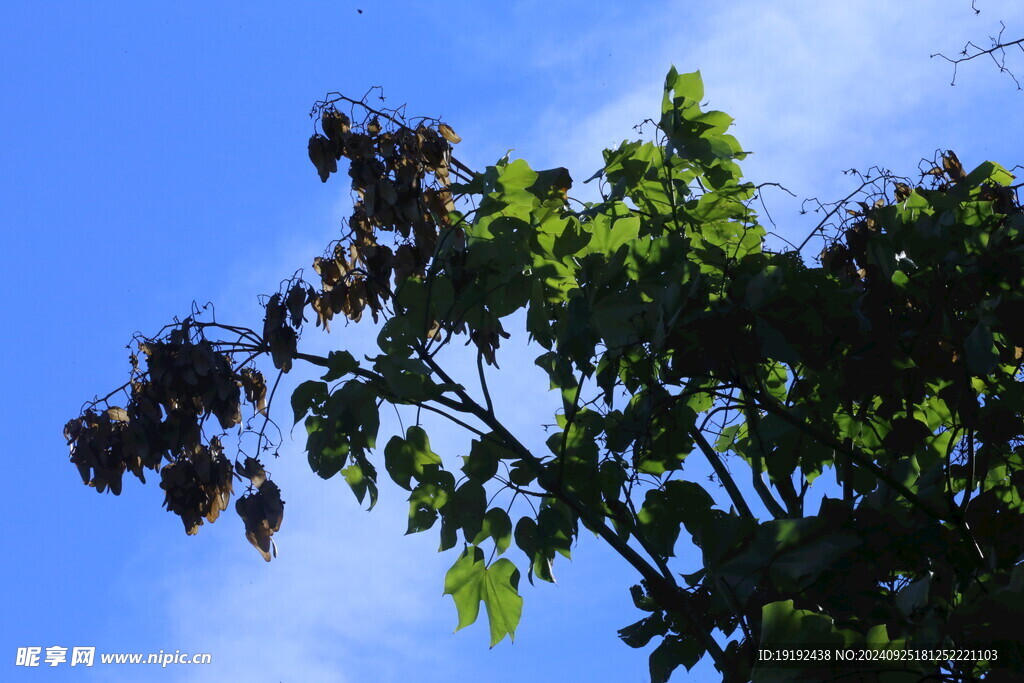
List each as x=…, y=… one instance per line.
x=446, y=131
x=334, y=124
x=321, y=154
x=262, y=513
x=255, y=387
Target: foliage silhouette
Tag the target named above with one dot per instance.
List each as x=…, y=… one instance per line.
x=672, y=331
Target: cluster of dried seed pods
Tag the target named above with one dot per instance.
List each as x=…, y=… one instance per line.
x=186, y=381
x=262, y=510
x=401, y=177
x=198, y=486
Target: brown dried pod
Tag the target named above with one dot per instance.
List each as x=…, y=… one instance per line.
x=255, y=389
x=183, y=494
x=488, y=338
x=321, y=153
x=334, y=124
x=262, y=513
x=322, y=308
x=295, y=302
x=355, y=301
x=273, y=505
x=446, y=131
x=274, y=316
x=251, y=469
x=440, y=203
x=217, y=482
x=283, y=346
x=954, y=169
x=359, y=146
x=404, y=264
x=330, y=272
x=338, y=297
x=386, y=191
x=228, y=413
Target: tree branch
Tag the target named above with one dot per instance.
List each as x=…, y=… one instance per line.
x=997, y=52
x=788, y=493
x=723, y=474
x=868, y=463
x=483, y=380
x=664, y=588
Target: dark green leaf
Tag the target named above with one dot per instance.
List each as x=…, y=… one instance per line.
x=406, y=458
x=307, y=396
x=339, y=364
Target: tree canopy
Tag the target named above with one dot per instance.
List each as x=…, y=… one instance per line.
x=883, y=368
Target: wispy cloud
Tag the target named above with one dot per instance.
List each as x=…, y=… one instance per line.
x=815, y=88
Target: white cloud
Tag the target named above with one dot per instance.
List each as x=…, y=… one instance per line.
x=346, y=594
x=815, y=88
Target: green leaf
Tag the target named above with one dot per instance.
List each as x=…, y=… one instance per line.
x=608, y=234
x=900, y=279
x=308, y=395
x=470, y=581
x=798, y=567
x=763, y=287
x=639, y=634
x=361, y=476
x=552, y=184
x=641, y=600
x=532, y=541
x=665, y=511
x=497, y=526
x=354, y=478
x=426, y=499
x=512, y=183
x=982, y=356
x=327, y=447
x=784, y=626
x=502, y=600
x=407, y=379
x=470, y=505
x=407, y=458
x=462, y=582
x=484, y=454
x=526, y=536
x=449, y=532
x=914, y=596
x=670, y=653
x=339, y=364
x=688, y=86
x=396, y=337
x=989, y=172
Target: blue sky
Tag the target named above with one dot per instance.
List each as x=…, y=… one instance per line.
x=155, y=153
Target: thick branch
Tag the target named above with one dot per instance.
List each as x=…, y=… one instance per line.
x=784, y=486
x=723, y=474
x=483, y=379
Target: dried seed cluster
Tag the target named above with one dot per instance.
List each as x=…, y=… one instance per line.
x=262, y=510
x=198, y=485
x=186, y=381
x=401, y=176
